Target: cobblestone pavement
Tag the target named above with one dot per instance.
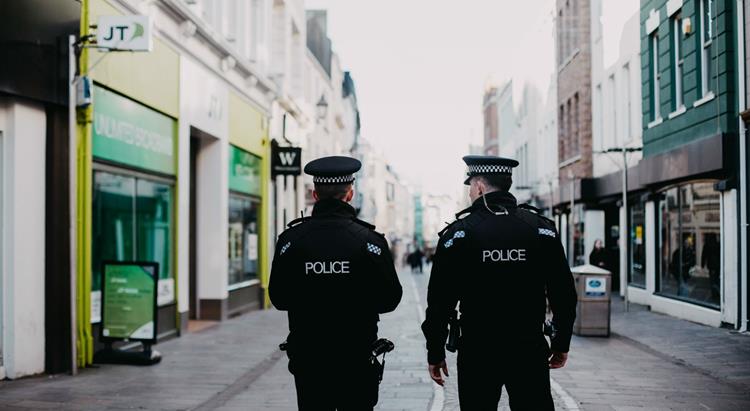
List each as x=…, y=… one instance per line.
x=652, y=362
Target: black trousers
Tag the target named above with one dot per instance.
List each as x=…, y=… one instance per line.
x=349, y=384
x=524, y=373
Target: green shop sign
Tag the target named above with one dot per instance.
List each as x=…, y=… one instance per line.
x=129, y=301
x=244, y=171
x=129, y=133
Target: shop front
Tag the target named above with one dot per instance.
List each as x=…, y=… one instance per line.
x=133, y=196
x=244, y=232
x=248, y=207
x=127, y=174
x=682, y=235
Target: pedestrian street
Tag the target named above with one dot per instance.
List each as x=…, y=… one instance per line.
x=236, y=366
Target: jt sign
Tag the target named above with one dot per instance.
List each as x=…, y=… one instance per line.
x=130, y=33
x=286, y=161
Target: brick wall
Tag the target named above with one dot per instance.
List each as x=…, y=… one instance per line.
x=573, y=27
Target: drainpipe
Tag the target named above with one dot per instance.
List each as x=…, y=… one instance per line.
x=72, y=198
x=743, y=169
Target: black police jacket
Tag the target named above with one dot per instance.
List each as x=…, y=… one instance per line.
x=502, y=262
x=333, y=274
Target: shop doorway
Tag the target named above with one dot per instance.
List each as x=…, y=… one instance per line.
x=612, y=242
x=201, y=165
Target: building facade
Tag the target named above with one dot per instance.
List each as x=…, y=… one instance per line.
x=386, y=200
x=673, y=92
x=616, y=118
x=490, y=112
x=163, y=155
x=293, y=117
x=194, y=198
x=689, y=171
x=575, y=151
x=36, y=326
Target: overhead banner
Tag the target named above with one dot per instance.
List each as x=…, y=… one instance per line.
x=129, y=296
x=129, y=133
x=286, y=161
x=244, y=171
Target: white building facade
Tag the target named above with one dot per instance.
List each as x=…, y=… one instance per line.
x=617, y=124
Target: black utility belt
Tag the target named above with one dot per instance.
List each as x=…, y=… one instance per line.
x=379, y=348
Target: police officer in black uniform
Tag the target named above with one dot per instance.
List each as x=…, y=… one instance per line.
x=334, y=274
x=502, y=262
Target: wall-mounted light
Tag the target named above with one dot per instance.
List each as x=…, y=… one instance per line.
x=322, y=108
x=687, y=26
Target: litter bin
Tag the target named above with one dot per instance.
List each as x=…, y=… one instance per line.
x=593, y=285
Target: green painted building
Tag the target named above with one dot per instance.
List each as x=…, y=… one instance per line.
x=688, y=70
x=684, y=199
x=418, y=221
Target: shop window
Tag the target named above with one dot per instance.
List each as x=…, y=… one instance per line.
x=690, y=243
x=132, y=220
x=637, y=246
x=243, y=240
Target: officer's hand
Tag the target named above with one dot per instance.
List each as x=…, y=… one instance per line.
x=558, y=359
x=435, y=372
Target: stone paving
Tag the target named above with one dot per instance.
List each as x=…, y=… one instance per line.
x=719, y=352
x=652, y=362
x=195, y=368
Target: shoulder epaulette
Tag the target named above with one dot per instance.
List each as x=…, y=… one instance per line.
x=536, y=211
x=297, y=221
x=364, y=223
x=446, y=228
x=463, y=212
x=459, y=216
x=528, y=206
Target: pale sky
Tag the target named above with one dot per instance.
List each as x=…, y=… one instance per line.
x=420, y=68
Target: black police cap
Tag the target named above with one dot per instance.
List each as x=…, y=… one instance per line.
x=333, y=169
x=488, y=165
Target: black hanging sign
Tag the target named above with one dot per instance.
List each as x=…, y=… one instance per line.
x=286, y=161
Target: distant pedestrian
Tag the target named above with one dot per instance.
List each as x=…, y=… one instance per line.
x=598, y=256
x=334, y=274
x=501, y=262
x=417, y=261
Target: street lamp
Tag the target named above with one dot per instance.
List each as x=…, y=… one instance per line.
x=322, y=108
x=626, y=228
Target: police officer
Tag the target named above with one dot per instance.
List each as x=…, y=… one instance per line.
x=334, y=274
x=502, y=262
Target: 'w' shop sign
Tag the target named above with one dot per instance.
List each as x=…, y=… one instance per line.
x=286, y=161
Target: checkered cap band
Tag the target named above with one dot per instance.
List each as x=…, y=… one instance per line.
x=489, y=169
x=334, y=180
